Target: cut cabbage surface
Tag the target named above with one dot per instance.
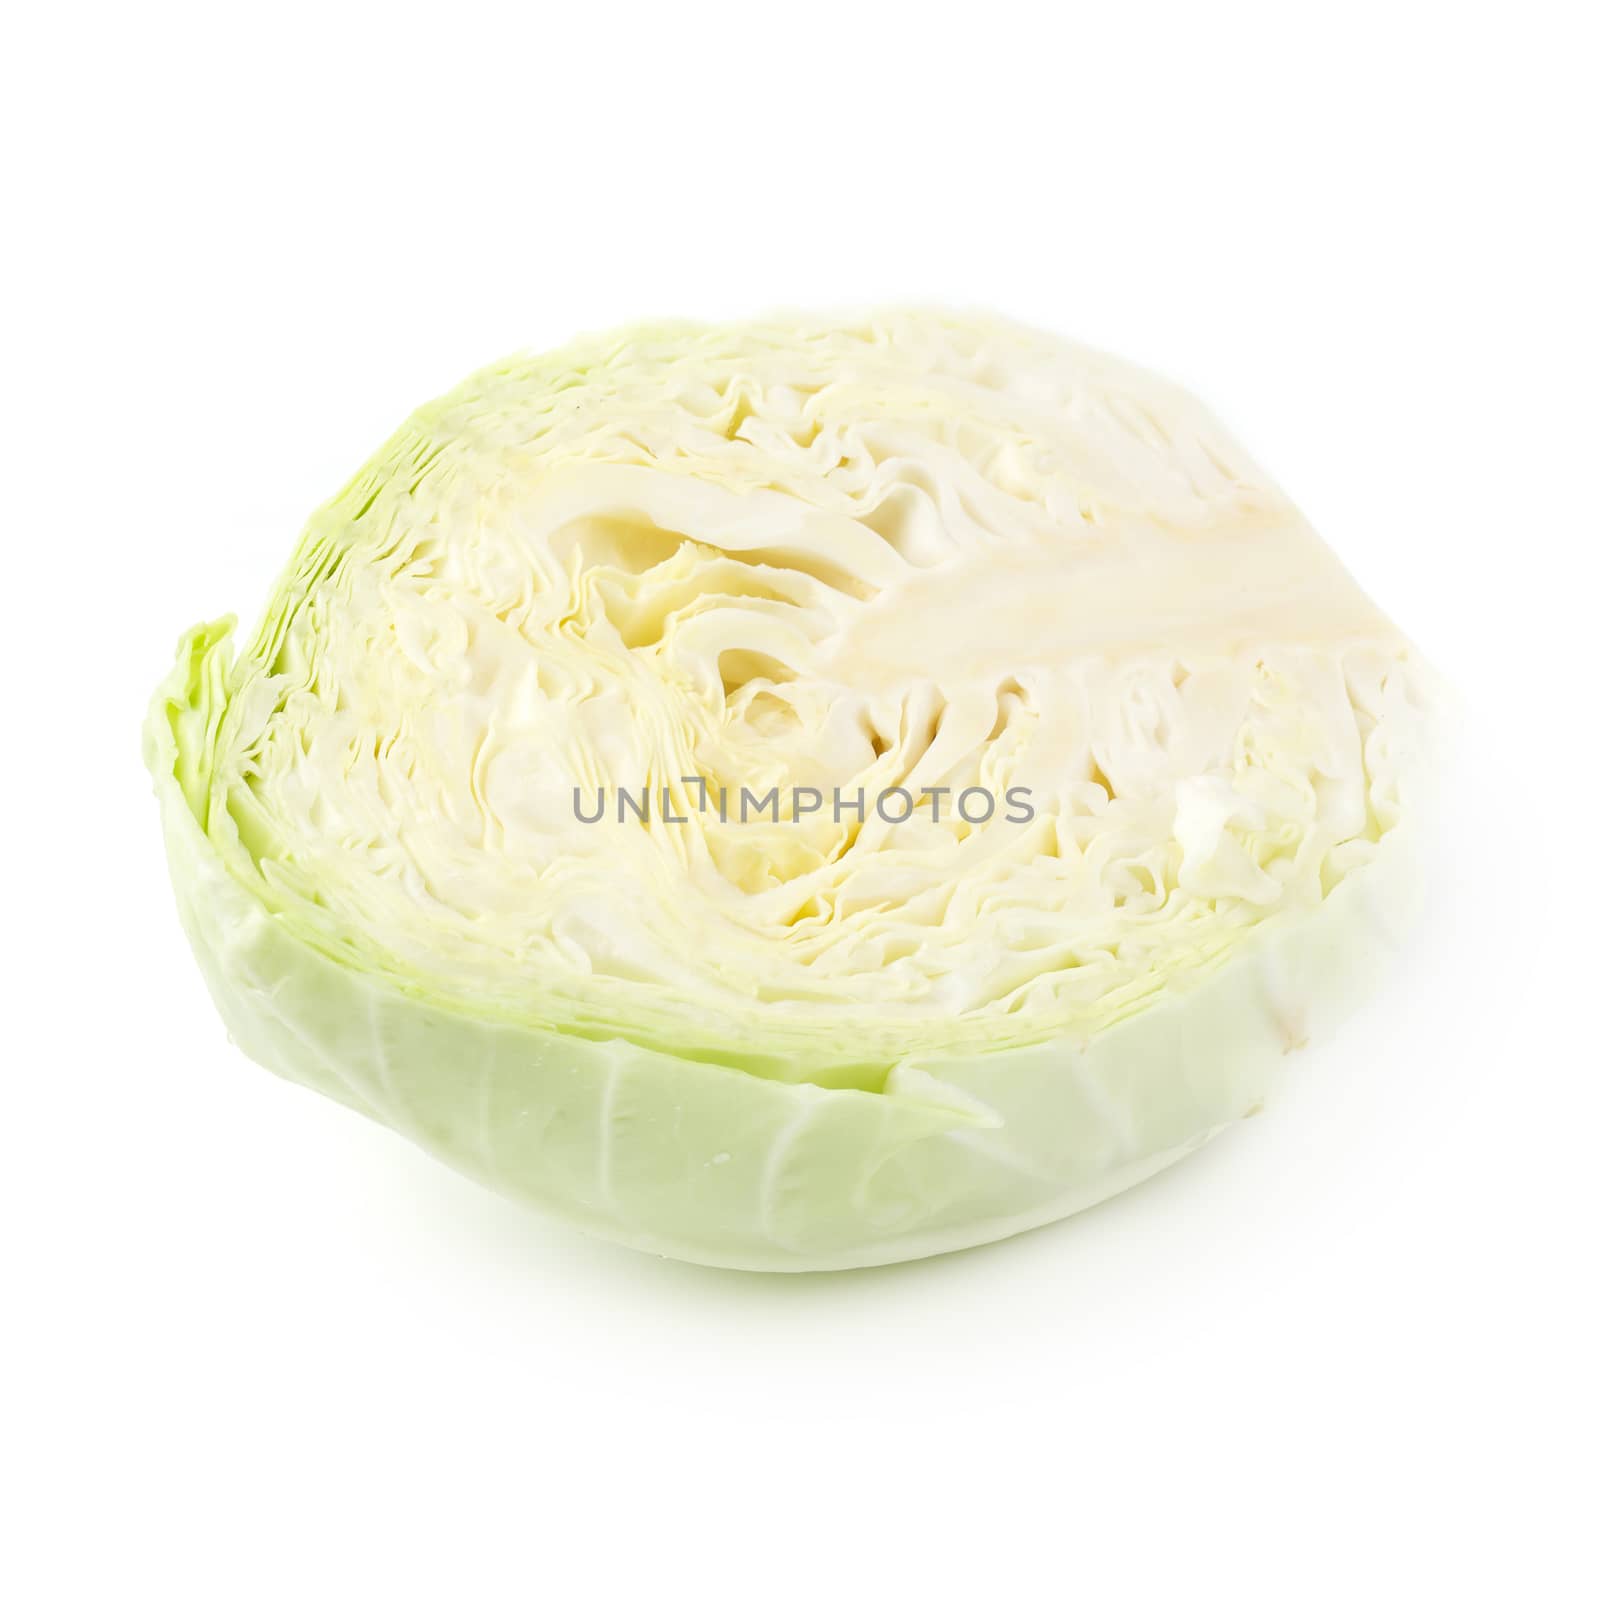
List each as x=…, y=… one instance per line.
x=801, y=794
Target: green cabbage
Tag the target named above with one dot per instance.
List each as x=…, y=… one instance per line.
x=796, y=795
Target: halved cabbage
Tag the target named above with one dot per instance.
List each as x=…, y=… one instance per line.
x=796, y=795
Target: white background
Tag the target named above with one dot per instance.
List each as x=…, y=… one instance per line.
x=257, y=1347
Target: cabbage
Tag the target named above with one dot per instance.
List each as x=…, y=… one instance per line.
x=796, y=795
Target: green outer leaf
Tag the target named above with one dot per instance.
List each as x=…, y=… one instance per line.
x=711, y=1164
